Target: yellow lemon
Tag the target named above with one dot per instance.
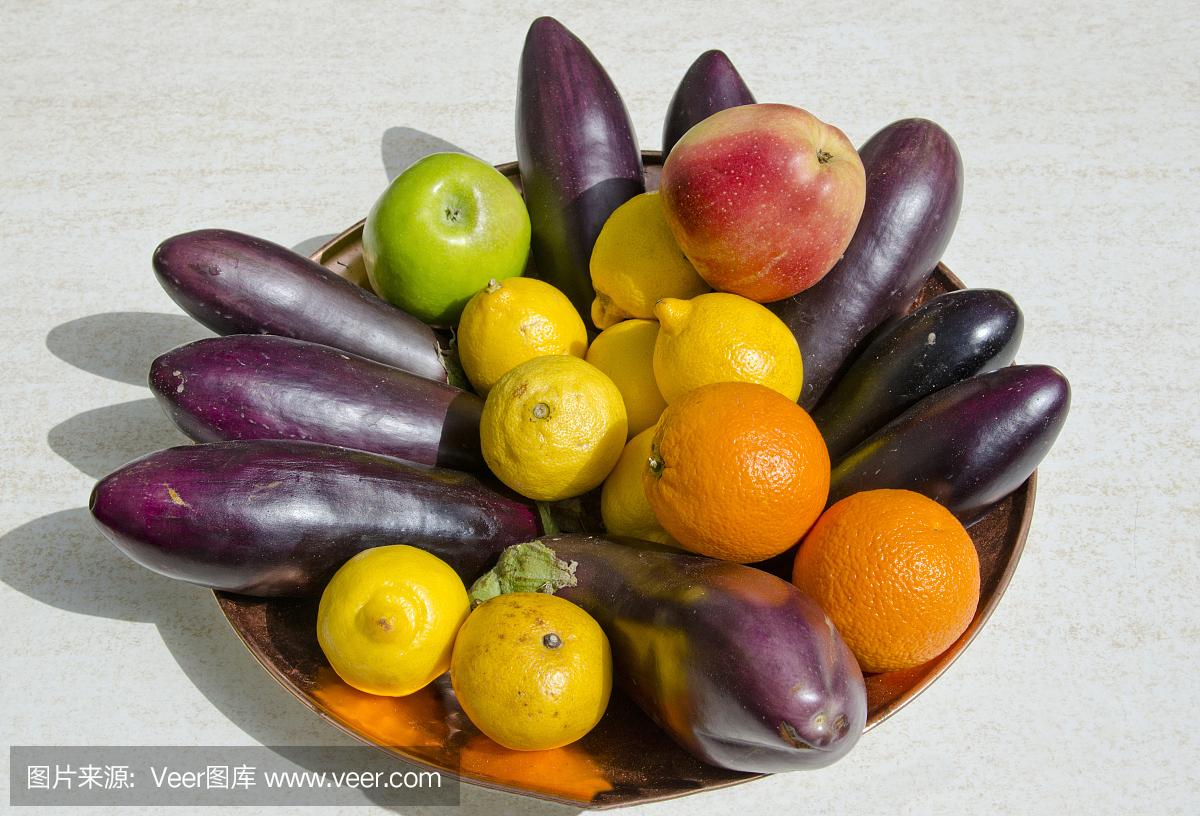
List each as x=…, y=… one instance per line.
x=388, y=618
x=721, y=337
x=553, y=427
x=623, y=503
x=625, y=352
x=532, y=671
x=636, y=262
x=514, y=320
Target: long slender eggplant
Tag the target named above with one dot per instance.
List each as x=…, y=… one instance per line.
x=238, y=284
x=578, y=155
x=710, y=84
x=739, y=667
x=914, y=194
x=274, y=517
x=966, y=446
x=954, y=336
x=257, y=386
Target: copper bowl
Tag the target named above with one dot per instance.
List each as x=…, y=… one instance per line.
x=626, y=759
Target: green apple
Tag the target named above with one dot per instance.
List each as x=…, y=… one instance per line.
x=441, y=230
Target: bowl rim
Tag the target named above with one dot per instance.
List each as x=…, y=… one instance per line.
x=337, y=254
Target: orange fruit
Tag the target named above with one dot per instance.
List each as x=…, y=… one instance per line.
x=896, y=573
x=736, y=471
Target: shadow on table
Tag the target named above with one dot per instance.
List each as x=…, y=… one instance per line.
x=103, y=439
x=401, y=146
x=121, y=345
x=62, y=560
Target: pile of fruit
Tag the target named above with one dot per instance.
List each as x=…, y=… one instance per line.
x=784, y=453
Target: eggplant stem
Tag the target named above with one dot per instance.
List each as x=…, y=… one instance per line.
x=528, y=567
x=549, y=526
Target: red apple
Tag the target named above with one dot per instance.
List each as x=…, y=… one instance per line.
x=763, y=199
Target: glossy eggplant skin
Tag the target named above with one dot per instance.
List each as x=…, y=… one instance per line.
x=914, y=194
x=710, y=84
x=954, y=336
x=258, y=386
x=578, y=155
x=277, y=518
x=742, y=669
x=966, y=446
x=234, y=283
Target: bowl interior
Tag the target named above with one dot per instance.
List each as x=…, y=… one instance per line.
x=626, y=759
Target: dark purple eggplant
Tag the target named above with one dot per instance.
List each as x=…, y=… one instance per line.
x=578, y=155
x=954, y=336
x=711, y=84
x=238, y=284
x=739, y=667
x=274, y=517
x=914, y=194
x=257, y=386
x=966, y=446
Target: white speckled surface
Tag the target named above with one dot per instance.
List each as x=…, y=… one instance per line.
x=126, y=123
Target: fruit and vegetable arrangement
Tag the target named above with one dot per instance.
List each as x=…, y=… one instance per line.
x=695, y=442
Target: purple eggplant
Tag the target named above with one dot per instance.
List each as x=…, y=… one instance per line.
x=711, y=84
x=914, y=194
x=739, y=667
x=257, y=386
x=275, y=517
x=578, y=155
x=238, y=284
x=966, y=446
x=954, y=336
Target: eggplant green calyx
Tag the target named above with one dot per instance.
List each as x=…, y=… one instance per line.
x=549, y=527
x=528, y=567
x=448, y=357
